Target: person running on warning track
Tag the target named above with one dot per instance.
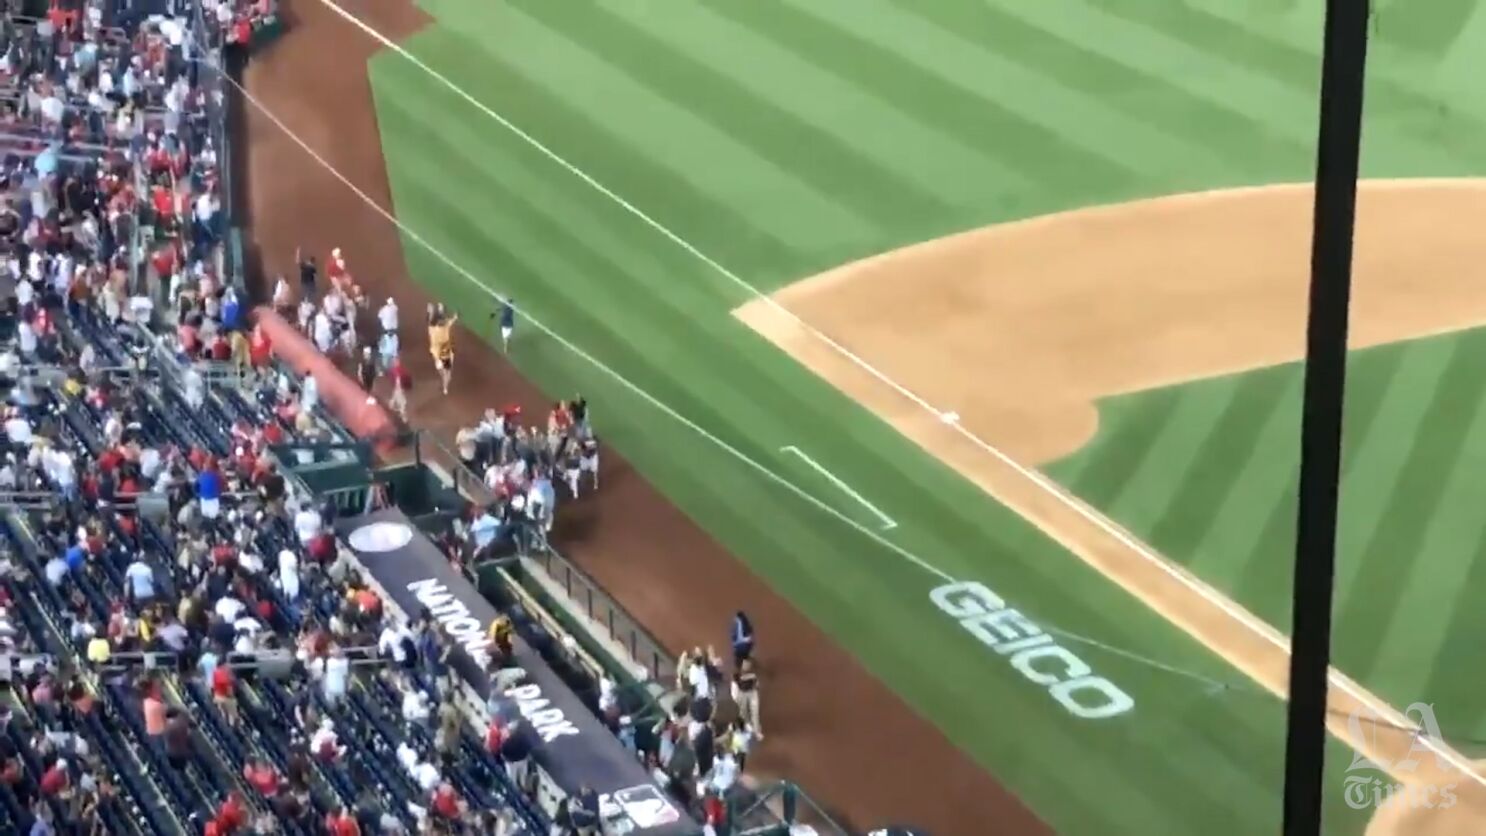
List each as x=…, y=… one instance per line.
x=507, y=315
x=441, y=346
x=402, y=383
x=366, y=370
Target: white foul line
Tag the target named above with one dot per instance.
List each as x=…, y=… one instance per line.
x=887, y=522
x=1338, y=680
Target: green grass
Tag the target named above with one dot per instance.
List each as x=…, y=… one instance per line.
x=784, y=137
x=1212, y=484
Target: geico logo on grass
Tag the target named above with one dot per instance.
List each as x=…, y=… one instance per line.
x=1034, y=654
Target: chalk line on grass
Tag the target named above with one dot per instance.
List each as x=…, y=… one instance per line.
x=1198, y=587
x=888, y=523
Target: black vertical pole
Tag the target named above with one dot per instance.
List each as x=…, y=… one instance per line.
x=1343, y=65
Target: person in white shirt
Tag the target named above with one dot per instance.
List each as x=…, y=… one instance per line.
x=25, y=293
x=427, y=776
x=308, y=525
x=56, y=570
x=415, y=707
x=700, y=682
x=325, y=740
x=282, y=296
x=194, y=388
x=59, y=468
x=150, y=463
x=289, y=574
x=407, y=757
x=141, y=581
x=387, y=348
x=18, y=429
x=25, y=337
x=309, y=394
x=394, y=642
x=334, y=304
x=724, y=773
x=306, y=315
x=337, y=676
x=247, y=635
x=387, y=316
x=229, y=608
x=324, y=333
x=348, y=333
x=484, y=529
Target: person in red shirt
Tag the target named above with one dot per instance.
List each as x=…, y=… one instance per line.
x=54, y=781
x=232, y=816
x=402, y=384
x=224, y=692
x=261, y=777
x=495, y=735
x=341, y=823
x=199, y=459
x=260, y=347
x=445, y=801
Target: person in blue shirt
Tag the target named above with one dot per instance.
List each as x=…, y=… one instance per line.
x=75, y=558
x=231, y=312
x=741, y=637
x=207, y=664
x=485, y=529
x=583, y=812
x=209, y=491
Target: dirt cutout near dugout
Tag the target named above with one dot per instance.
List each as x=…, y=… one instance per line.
x=1013, y=333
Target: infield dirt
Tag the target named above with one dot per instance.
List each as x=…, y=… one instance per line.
x=1018, y=329
x=671, y=575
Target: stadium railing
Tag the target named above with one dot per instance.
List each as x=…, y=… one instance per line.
x=585, y=594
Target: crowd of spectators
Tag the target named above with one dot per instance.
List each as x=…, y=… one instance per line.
x=185, y=646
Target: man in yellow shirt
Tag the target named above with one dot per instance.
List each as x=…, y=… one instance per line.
x=441, y=346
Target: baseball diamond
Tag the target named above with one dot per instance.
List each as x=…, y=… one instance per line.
x=956, y=342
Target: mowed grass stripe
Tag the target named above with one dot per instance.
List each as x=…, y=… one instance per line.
x=1150, y=489
x=1054, y=86
x=1237, y=550
x=665, y=161
x=1437, y=594
x=1233, y=539
x=1402, y=390
x=961, y=107
x=939, y=162
x=1444, y=672
x=1438, y=571
x=1204, y=488
x=665, y=274
x=575, y=283
x=832, y=164
x=1403, y=75
x=1185, y=141
x=1370, y=605
x=1128, y=428
x=1284, y=113
x=1266, y=578
x=1402, y=126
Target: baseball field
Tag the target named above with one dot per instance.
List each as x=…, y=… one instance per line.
x=971, y=328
